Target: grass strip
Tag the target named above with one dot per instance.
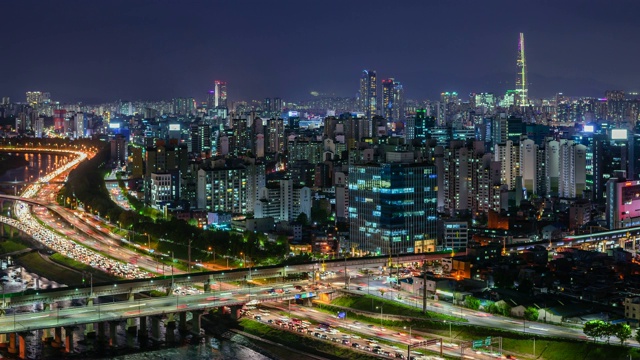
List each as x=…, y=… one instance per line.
x=9, y=246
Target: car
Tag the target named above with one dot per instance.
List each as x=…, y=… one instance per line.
x=324, y=336
x=511, y=357
x=367, y=348
x=270, y=321
x=257, y=317
x=335, y=339
x=359, y=288
x=316, y=334
x=355, y=345
x=345, y=341
x=399, y=356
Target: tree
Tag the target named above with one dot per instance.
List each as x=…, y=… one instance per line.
x=597, y=328
x=531, y=313
x=637, y=336
x=302, y=219
x=622, y=332
x=471, y=302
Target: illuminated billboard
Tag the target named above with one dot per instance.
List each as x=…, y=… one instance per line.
x=619, y=134
x=174, y=127
x=114, y=125
x=293, y=114
x=588, y=128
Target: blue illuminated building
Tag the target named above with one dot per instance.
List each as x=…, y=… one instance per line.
x=392, y=206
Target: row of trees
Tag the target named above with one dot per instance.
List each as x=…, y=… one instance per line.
x=85, y=184
x=598, y=329
x=500, y=308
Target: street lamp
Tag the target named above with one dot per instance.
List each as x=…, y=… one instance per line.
x=410, y=326
x=380, y=307
x=449, y=329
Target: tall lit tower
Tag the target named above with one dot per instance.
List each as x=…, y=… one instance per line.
x=521, y=78
x=368, y=93
x=220, y=93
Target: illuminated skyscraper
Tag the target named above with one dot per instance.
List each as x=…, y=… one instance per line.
x=220, y=93
x=521, y=78
x=368, y=93
x=392, y=100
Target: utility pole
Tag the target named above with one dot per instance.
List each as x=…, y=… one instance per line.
x=189, y=250
x=424, y=287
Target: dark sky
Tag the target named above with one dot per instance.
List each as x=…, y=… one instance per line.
x=93, y=50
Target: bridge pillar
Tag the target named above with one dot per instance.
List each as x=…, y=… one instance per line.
x=3, y=340
x=196, y=321
x=132, y=297
x=68, y=338
x=1, y=228
x=50, y=307
x=113, y=333
x=143, y=333
x=10, y=231
x=89, y=330
x=170, y=336
x=57, y=337
x=307, y=302
x=90, y=301
x=235, y=311
x=46, y=335
x=208, y=285
x=131, y=336
x=183, y=321
x=101, y=334
x=155, y=328
x=132, y=326
x=22, y=344
x=12, y=343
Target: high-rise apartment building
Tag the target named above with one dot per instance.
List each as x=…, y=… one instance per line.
x=200, y=138
x=220, y=93
x=368, y=94
x=572, y=169
x=529, y=165
x=392, y=100
x=222, y=189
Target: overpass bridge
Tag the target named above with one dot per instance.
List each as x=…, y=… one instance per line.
x=139, y=318
x=209, y=278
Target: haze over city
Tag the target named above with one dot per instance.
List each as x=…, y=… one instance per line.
x=102, y=51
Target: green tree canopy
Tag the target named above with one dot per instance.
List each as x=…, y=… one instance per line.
x=531, y=313
x=622, y=332
x=471, y=302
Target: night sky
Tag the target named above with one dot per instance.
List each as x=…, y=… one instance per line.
x=95, y=51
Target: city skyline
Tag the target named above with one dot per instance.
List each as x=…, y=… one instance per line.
x=161, y=51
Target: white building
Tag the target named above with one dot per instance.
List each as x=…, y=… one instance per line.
x=529, y=165
x=161, y=193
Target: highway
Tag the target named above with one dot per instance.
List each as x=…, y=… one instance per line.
x=142, y=307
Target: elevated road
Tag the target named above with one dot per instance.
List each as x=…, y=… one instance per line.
x=123, y=310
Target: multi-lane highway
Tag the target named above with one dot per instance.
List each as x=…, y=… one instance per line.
x=120, y=310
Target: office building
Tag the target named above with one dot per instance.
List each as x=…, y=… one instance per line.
x=623, y=203
x=392, y=205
